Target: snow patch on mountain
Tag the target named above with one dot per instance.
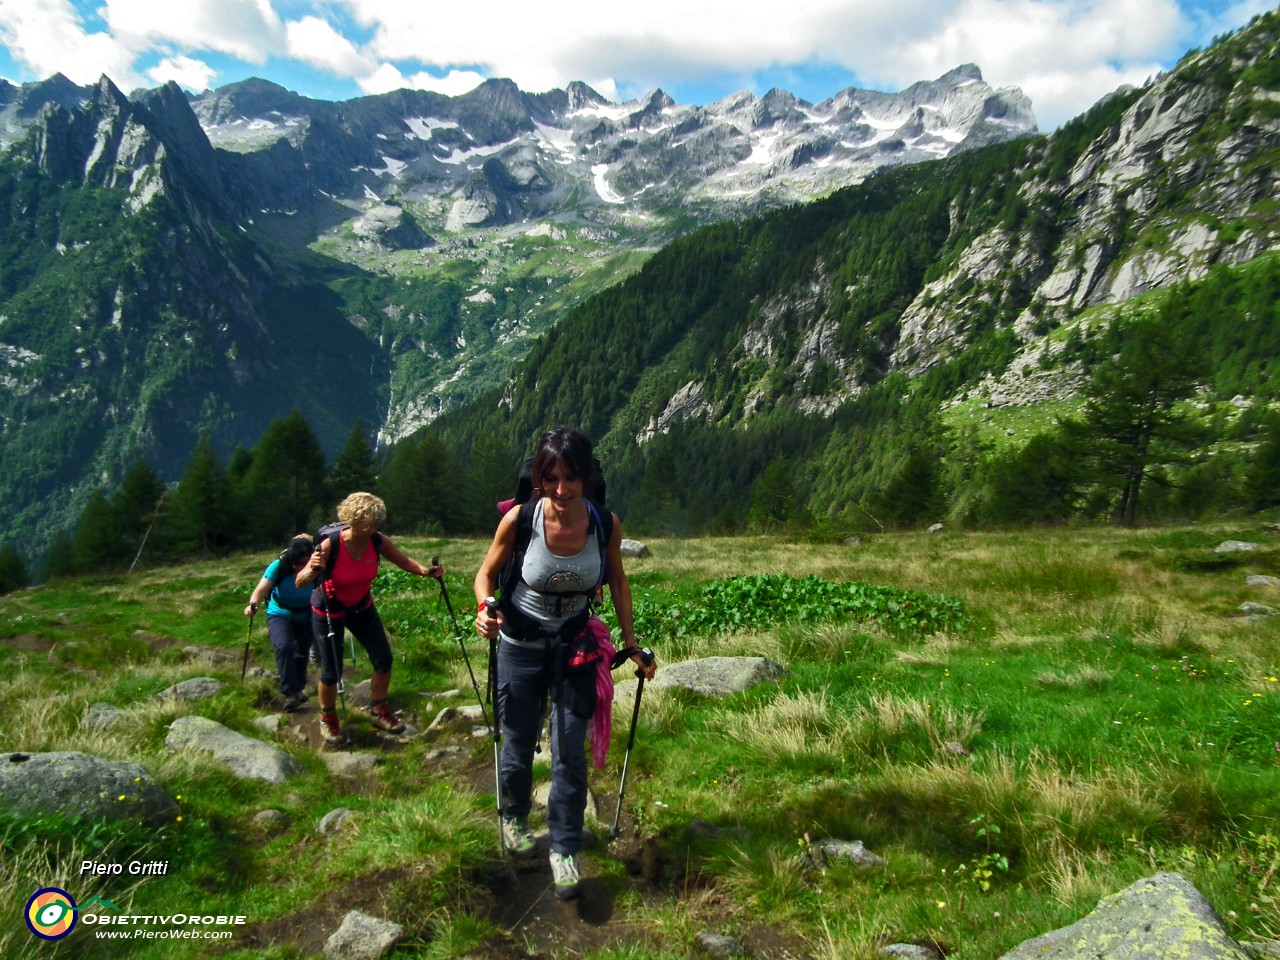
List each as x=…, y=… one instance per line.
x=424, y=128
x=599, y=173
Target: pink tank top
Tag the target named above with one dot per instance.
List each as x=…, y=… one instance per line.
x=351, y=577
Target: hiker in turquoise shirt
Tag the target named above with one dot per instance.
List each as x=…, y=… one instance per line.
x=288, y=617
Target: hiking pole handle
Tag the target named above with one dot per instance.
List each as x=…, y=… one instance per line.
x=626, y=653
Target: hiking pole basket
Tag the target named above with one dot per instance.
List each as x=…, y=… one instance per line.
x=457, y=632
x=646, y=656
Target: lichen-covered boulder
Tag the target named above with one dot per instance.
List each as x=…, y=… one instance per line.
x=75, y=784
x=1160, y=916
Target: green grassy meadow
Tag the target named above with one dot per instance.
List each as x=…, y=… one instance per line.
x=1018, y=723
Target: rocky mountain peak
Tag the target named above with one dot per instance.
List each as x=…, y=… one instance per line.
x=579, y=96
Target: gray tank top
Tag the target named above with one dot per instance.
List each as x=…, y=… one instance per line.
x=554, y=588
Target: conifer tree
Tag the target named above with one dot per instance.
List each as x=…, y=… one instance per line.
x=1262, y=480
x=13, y=572
x=98, y=543
x=59, y=559
x=773, y=496
x=1132, y=423
x=202, y=515
x=287, y=483
x=658, y=504
x=423, y=488
x=140, y=502
x=491, y=478
x=355, y=467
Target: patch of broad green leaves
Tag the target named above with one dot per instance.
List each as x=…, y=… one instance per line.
x=762, y=600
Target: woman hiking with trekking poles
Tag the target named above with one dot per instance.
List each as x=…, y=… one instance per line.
x=345, y=564
x=288, y=617
x=559, y=554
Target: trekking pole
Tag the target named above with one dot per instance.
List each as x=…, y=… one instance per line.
x=646, y=656
x=244, y=664
x=335, y=653
x=444, y=592
x=491, y=607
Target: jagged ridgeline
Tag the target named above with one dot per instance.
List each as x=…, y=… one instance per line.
x=171, y=264
x=879, y=353
x=877, y=357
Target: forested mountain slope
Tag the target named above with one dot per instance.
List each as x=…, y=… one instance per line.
x=839, y=340
x=172, y=265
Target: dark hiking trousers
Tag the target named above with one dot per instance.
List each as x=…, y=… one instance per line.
x=292, y=641
x=524, y=690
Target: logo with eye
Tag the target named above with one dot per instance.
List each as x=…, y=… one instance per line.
x=51, y=913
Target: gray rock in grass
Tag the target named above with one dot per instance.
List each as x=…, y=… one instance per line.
x=712, y=676
x=1235, y=546
x=197, y=688
x=908, y=951
x=362, y=937
x=1260, y=580
x=1252, y=609
x=272, y=821
x=719, y=945
x=245, y=757
x=333, y=821
x=100, y=716
x=354, y=765
x=634, y=548
x=827, y=851
x=1160, y=916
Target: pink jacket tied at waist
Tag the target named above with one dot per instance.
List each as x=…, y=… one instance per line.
x=601, y=725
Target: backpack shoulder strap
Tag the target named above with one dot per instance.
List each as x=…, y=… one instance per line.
x=335, y=540
x=602, y=523
x=278, y=574
x=515, y=562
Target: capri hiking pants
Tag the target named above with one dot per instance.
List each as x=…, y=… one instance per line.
x=366, y=626
x=525, y=679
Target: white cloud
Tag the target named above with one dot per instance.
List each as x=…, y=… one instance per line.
x=247, y=29
x=1064, y=54
x=316, y=42
x=387, y=78
x=193, y=75
x=49, y=38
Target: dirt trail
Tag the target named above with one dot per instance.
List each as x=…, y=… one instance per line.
x=517, y=896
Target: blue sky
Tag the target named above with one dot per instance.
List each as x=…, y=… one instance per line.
x=1064, y=54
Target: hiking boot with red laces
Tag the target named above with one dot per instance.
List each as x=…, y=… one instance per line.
x=330, y=729
x=384, y=718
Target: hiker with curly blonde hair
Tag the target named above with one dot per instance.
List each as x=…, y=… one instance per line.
x=343, y=568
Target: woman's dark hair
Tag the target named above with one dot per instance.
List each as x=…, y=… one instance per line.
x=298, y=550
x=570, y=449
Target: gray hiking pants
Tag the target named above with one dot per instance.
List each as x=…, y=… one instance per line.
x=525, y=674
